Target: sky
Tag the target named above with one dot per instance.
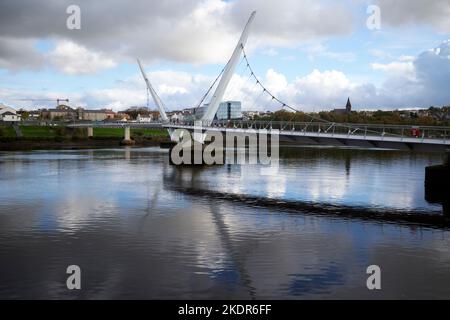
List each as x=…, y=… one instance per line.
x=311, y=54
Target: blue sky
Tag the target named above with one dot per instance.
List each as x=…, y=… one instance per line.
x=312, y=54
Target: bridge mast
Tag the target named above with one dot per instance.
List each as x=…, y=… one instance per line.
x=155, y=96
x=228, y=73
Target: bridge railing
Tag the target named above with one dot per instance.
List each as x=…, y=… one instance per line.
x=332, y=128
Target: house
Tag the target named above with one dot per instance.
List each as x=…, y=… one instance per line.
x=10, y=117
x=8, y=114
x=34, y=115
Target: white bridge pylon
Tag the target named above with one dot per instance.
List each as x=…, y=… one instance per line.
x=227, y=74
x=219, y=92
x=155, y=96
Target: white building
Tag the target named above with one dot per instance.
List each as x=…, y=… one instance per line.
x=176, y=117
x=250, y=114
x=8, y=114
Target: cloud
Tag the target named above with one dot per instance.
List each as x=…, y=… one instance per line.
x=190, y=31
x=322, y=89
x=434, y=13
x=397, y=68
x=177, y=90
x=270, y=52
x=417, y=81
x=16, y=54
x=74, y=59
x=433, y=72
x=316, y=50
x=290, y=21
x=409, y=82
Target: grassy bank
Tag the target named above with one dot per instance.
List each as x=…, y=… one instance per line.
x=46, y=137
x=51, y=132
x=118, y=132
x=7, y=131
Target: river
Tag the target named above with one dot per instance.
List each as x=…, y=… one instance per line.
x=140, y=228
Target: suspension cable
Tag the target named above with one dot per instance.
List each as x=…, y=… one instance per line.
x=283, y=104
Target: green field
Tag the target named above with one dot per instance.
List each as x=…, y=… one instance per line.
x=38, y=131
x=7, y=131
x=119, y=132
x=150, y=132
x=52, y=132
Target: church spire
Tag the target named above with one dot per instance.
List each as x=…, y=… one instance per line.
x=348, y=107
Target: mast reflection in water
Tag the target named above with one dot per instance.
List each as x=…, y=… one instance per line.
x=140, y=228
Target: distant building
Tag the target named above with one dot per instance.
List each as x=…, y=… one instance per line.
x=34, y=115
x=249, y=115
x=95, y=115
x=8, y=114
x=176, y=117
x=64, y=112
x=228, y=110
x=347, y=110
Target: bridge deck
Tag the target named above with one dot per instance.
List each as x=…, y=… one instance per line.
x=382, y=136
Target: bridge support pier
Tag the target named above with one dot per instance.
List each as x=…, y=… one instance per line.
x=437, y=185
x=90, y=132
x=127, y=137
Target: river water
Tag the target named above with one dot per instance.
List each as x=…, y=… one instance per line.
x=140, y=228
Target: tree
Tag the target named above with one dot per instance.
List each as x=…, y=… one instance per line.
x=24, y=114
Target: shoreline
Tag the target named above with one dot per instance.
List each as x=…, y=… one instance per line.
x=27, y=144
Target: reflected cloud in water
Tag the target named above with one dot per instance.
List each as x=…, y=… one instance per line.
x=137, y=230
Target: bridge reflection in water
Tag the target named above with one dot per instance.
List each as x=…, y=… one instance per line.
x=141, y=228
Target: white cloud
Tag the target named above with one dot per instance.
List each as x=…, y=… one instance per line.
x=275, y=82
x=397, y=68
x=316, y=50
x=74, y=59
x=177, y=90
x=320, y=90
x=270, y=52
x=381, y=54
x=410, y=82
x=192, y=31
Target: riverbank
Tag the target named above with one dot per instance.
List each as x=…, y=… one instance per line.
x=54, y=144
x=59, y=138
